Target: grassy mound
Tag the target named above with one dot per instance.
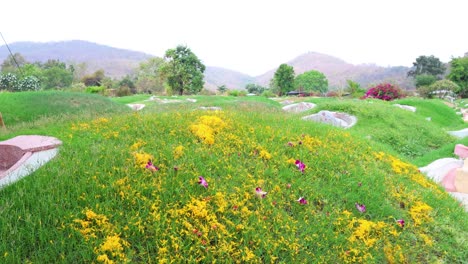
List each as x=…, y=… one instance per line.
x=32, y=106
x=97, y=201
x=437, y=110
x=406, y=133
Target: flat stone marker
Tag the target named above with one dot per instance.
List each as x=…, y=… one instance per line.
x=333, y=118
x=21, y=155
x=136, y=107
x=406, y=107
x=459, y=133
x=211, y=108
x=299, y=107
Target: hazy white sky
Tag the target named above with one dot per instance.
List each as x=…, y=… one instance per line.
x=251, y=36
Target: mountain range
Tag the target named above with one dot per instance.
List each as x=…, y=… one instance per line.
x=117, y=63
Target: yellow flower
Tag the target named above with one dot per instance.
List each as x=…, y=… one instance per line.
x=141, y=159
x=178, y=152
x=104, y=258
x=112, y=244
x=207, y=127
x=137, y=145
x=420, y=213
x=249, y=255
x=265, y=155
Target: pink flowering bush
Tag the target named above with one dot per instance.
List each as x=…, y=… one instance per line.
x=384, y=91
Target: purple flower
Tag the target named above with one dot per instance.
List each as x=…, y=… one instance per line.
x=401, y=222
x=202, y=182
x=301, y=166
x=302, y=200
x=361, y=208
x=260, y=193
x=151, y=167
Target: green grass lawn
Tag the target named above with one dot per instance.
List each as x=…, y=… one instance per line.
x=97, y=201
x=138, y=98
x=33, y=106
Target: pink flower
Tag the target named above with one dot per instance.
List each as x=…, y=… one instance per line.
x=401, y=222
x=202, y=182
x=260, y=193
x=288, y=185
x=301, y=166
x=302, y=200
x=151, y=167
x=361, y=208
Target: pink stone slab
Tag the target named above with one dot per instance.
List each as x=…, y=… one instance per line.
x=449, y=181
x=32, y=143
x=16, y=165
x=461, y=151
x=15, y=151
x=9, y=155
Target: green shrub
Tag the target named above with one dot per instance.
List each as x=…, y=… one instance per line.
x=206, y=92
x=425, y=91
x=237, y=93
x=95, y=89
x=123, y=91
x=268, y=93
x=424, y=80
x=78, y=87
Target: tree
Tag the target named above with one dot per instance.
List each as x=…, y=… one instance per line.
x=311, y=81
x=128, y=83
x=255, y=88
x=94, y=79
x=79, y=71
x=11, y=63
x=459, y=75
x=354, y=89
x=424, y=80
x=148, y=77
x=56, y=75
x=429, y=65
x=183, y=70
x=222, y=89
x=283, y=79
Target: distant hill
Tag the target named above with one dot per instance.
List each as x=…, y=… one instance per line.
x=215, y=76
x=117, y=63
x=338, y=71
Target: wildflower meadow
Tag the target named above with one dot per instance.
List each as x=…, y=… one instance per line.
x=248, y=184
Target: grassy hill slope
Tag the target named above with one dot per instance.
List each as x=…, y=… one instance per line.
x=406, y=133
x=33, y=106
x=97, y=201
